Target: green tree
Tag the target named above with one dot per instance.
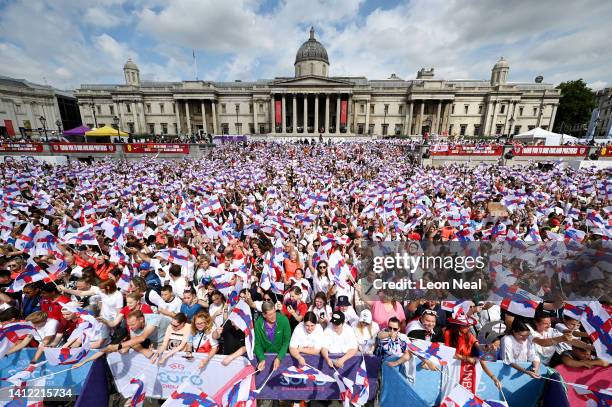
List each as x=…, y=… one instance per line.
x=575, y=106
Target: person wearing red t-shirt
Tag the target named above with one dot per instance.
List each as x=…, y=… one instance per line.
x=52, y=301
x=294, y=308
x=133, y=301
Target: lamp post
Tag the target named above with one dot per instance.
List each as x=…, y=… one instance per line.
x=237, y=108
x=43, y=121
x=93, y=111
x=116, y=121
x=58, y=123
x=511, y=130
x=385, y=119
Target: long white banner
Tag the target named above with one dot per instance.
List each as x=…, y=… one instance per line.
x=161, y=381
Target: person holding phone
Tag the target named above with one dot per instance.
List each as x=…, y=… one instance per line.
x=321, y=309
x=294, y=308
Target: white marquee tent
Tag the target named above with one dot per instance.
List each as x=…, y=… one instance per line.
x=539, y=135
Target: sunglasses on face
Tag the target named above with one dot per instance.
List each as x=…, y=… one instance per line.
x=268, y=299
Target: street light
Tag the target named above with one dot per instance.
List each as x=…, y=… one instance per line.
x=116, y=121
x=385, y=119
x=58, y=123
x=43, y=121
x=92, y=105
x=237, y=109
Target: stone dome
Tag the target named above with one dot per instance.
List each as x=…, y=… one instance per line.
x=130, y=64
x=311, y=50
x=502, y=63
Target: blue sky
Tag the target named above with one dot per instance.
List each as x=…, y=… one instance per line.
x=70, y=42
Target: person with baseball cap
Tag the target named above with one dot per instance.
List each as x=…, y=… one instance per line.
x=366, y=331
x=339, y=339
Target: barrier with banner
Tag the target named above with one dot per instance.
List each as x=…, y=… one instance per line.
x=161, y=380
x=559, y=395
x=282, y=388
x=21, y=147
x=446, y=150
x=519, y=389
x=565, y=151
x=606, y=151
x=154, y=148
x=69, y=382
x=82, y=147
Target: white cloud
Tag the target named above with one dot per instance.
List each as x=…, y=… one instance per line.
x=101, y=17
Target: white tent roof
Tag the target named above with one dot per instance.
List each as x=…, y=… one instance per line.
x=550, y=138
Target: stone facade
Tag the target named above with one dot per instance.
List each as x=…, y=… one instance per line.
x=23, y=103
x=310, y=104
x=604, y=104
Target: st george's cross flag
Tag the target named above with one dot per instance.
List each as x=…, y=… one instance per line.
x=307, y=373
x=189, y=395
x=242, y=318
x=598, y=324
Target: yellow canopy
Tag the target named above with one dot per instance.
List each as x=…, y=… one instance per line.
x=105, y=131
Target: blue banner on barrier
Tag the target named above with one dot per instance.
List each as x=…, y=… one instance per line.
x=282, y=388
x=72, y=381
x=519, y=389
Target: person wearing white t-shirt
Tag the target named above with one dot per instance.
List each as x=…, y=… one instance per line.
x=339, y=338
x=366, y=331
x=306, y=339
x=176, y=281
x=170, y=304
x=547, y=339
x=518, y=347
x=45, y=328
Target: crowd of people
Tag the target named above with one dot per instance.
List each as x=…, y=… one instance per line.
x=158, y=250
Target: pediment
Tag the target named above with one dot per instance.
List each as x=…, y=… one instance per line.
x=311, y=80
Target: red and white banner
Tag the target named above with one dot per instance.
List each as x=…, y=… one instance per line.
x=21, y=147
x=277, y=112
x=567, y=151
x=83, y=148
x=605, y=152
x=343, y=112
x=465, y=373
x=154, y=148
x=445, y=149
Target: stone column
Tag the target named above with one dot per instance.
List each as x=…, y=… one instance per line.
x=177, y=110
x=438, y=111
x=305, y=124
x=326, y=113
x=316, y=115
x=493, y=117
x=294, y=114
x=214, y=116
x=367, y=119
x=204, y=117
x=552, y=118
x=447, y=114
x=272, y=115
x=506, y=131
x=485, y=125
x=338, y=97
x=419, y=128
x=407, y=119
x=283, y=114
x=135, y=118
x=255, y=125
x=188, y=117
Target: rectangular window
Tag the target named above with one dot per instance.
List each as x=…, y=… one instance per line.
x=111, y=109
x=223, y=110
x=498, y=129
x=520, y=110
x=545, y=127
x=385, y=128
x=466, y=109
x=100, y=124
x=90, y=125
x=224, y=128
x=360, y=127
x=371, y=109
x=164, y=127
x=148, y=108
x=250, y=108
x=453, y=109
x=477, y=129
x=161, y=108
x=450, y=129
x=479, y=109
x=530, y=127
x=99, y=109
x=175, y=127
x=174, y=108
x=128, y=108
x=131, y=127
x=462, y=128
x=400, y=109
x=502, y=109
x=398, y=129
x=17, y=108
x=362, y=109
x=535, y=111
x=261, y=109
x=251, y=128
x=151, y=127
x=517, y=130
x=371, y=129
x=262, y=129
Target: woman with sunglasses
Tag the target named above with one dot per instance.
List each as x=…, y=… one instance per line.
x=202, y=339
x=175, y=339
x=320, y=277
x=321, y=309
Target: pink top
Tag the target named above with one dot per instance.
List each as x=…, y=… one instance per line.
x=381, y=316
